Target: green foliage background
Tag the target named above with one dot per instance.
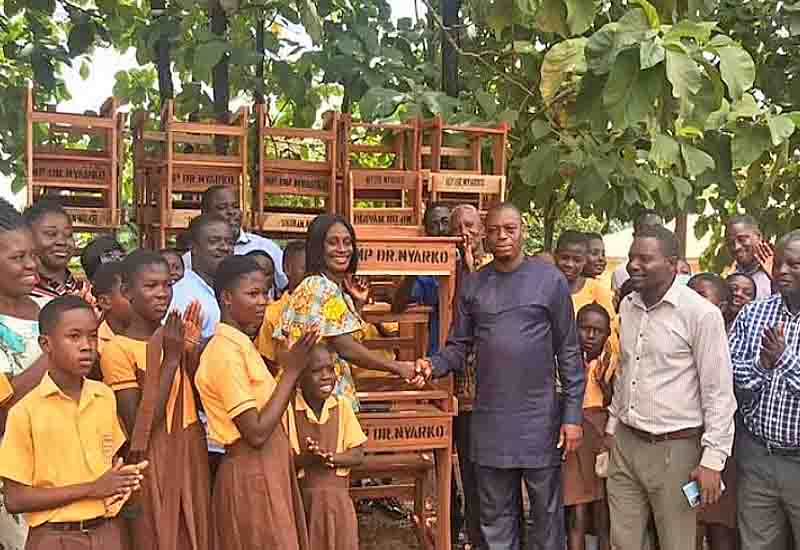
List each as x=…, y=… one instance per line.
x=686, y=106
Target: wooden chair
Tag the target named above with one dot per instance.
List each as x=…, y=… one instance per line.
x=452, y=160
x=190, y=157
x=291, y=190
x=75, y=159
x=382, y=181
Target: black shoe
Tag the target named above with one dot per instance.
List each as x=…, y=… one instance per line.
x=392, y=508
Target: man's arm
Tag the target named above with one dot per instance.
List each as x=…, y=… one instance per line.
x=716, y=390
x=454, y=353
x=568, y=357
x=749, y=376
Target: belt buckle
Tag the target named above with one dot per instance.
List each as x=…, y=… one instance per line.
x=82, y=527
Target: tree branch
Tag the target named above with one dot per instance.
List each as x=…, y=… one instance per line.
x=478, y=57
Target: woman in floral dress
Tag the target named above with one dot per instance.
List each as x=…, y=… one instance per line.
x=331, y=297
x=19, y=337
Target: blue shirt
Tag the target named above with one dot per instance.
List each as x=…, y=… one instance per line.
x=769, y=400
x=426, y=293
x=192, y=287
x=522, y=327
x=247, y=242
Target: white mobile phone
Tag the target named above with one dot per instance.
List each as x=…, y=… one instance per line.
x=692, y=492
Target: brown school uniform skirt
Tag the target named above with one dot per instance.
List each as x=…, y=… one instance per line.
x=332, y=522
x=168, y=519
x=580, y=482
x=724, y=511
x=112, y=535
x=256, y=501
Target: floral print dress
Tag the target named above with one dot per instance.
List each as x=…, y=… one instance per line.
x=318, y=300
x=19, y=348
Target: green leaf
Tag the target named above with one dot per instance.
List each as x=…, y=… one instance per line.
x=502, y=16
x=84, y=70
x=737, y=67
x=487, y=103
x=697, y=161
x=689, y=132
x=208, y=54
x=311, y=19
x=589, y=185
x=580, y=15
x=606, y=44
x=718, y=118
x=746, y=107
x=540, y=129
x=630, y=94
x=81, y=37
x=684, y=73
x=348, y=45
x=528, y=7
x=563, y=59
x=748, y=144
x=683, y=190
x=781, y=128
x=552, y=17
x=650, y=12
x=665, y=152
x=379, y=103
x=539, y=165
x=651, y=53
x=700, y=31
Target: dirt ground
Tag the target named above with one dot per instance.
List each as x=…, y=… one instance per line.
x=376, y=531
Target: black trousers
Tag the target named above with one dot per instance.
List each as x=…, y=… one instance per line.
x=500, y=493
x=471, y=516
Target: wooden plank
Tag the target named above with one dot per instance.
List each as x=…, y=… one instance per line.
x=299, y=133
x=284, y=223
x=71, y=172
x=297, y=183
x=77, y=121
x=188, y=177
x=70, y=155
x=384, y=179
x=288, y=165
x=206, y=129
x=208, y=159
x=405, y=256
x=411, y=434
x=383, y=216
x=466, y=183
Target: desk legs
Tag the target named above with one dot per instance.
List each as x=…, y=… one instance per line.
x=444, y=472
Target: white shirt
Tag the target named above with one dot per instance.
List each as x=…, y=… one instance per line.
x=619, y=276
x=247, y=242
x=193, y=287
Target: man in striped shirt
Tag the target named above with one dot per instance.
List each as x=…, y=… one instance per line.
x=765, y=351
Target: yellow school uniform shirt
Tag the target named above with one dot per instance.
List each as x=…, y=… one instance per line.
x=6, y=389
x=594, y=291
x=104, y=336
x=123, y=356
x=53, y=441
x=350, y=434
x=371, y=332
x=231, y=379
x=265, y=342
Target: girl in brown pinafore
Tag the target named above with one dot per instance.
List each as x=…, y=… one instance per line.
x=326, y=429
x=149, y=368
x=256, y=502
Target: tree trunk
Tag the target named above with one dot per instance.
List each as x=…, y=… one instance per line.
x=681, y=232
x=219, y=75
x=258, y=93
x=163, y=65
x=450, y=18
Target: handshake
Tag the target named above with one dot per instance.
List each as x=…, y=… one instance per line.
x=416, y=373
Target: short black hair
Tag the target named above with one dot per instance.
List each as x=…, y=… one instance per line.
x=199, y=223
x=38, y=209
x=592, y=236
x=315, y=245
x=666, y=239
x=172, y=251
x=52, y=312
x=743, y=219
x=106, y=276
x=745, y=276
x=10, y=218
x=230, y=270
x=715, y=280
x=292, y=248
x=137, y=260
x=92, y=254
x=261, y=254
x=570, y=237
x=208, y=196
x=594, y=307
x=790, y=237
x=504, y=206
x=431, y=207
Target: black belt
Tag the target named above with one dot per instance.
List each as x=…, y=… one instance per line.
x=83, y=526
x=776, y=450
